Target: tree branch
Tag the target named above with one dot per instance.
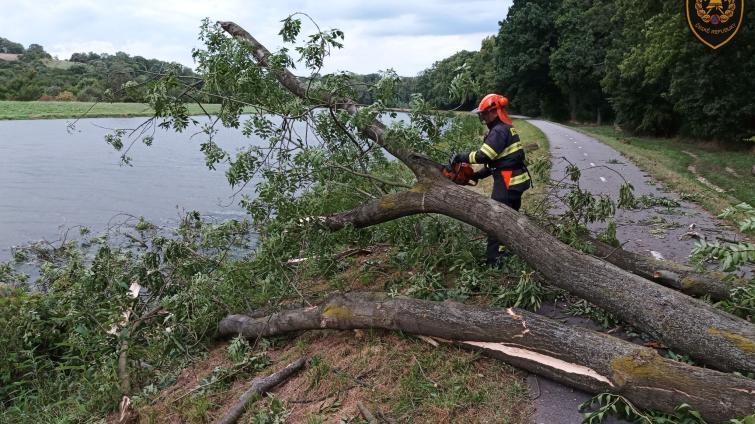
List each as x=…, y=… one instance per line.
x=387, y=208
x=374, y=131
x=372, y=177
x=676, y=276
x=261, y=385
x=575, y=356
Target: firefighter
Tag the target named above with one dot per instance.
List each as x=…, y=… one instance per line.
x=502, y=154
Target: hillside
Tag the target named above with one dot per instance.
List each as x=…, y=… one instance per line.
x=33, y=74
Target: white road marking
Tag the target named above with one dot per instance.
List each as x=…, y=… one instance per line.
x=579, y=147
x=584, y=154
x=592, y=164
x=602, y=179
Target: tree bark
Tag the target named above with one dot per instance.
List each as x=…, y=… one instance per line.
x=670, y=274
x=578, y=357
x=261, y=385
x=573, y=105
x=685, y=324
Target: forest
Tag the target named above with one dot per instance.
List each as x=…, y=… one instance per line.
x=632, y=62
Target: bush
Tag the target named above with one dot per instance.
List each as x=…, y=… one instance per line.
x=65, y=96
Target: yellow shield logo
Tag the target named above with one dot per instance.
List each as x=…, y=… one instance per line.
x=714, y=22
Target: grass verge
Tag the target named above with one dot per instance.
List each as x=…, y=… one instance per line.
x=55, y=110
x=671, y=161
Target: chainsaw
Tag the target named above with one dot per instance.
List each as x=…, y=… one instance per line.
x=460, y=173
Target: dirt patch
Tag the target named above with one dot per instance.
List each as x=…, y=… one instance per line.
x=704, y=181
x=732, y=172
x=398, y=377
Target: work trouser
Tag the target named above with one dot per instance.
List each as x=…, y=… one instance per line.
x=510, y=198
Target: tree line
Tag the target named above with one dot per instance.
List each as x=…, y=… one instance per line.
x=633, y=62
x=36, y=75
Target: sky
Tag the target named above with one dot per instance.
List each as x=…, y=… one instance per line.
x=405, y=35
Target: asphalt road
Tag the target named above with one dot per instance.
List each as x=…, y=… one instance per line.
x=657, y=231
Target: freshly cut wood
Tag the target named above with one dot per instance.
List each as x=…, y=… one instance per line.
x=578, y=357
x=259, y=386
x=687, y=325
x=671, y=274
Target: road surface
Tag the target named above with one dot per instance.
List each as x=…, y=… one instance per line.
x=658, y=231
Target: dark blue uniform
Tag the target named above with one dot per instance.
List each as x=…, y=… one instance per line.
x=502, y=154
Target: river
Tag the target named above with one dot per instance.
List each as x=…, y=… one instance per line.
x=52, y=179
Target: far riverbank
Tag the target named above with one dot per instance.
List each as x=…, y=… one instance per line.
x=58, y=110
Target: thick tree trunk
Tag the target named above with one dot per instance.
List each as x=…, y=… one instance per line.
x=578, y=357
x=685, y=324
x=573, y=106
x=676, y=276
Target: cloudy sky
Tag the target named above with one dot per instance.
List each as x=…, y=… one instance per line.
x=406, y=35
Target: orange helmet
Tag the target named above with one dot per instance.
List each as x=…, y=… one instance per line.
x=497, y=102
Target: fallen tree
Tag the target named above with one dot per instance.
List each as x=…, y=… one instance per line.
x=687, y=325
x=683, y=278
x=578, y=357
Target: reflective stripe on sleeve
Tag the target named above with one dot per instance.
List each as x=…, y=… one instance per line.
x=489, y=152
x=472, y=157
x=511, y=149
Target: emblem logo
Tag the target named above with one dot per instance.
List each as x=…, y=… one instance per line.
x=714, y=22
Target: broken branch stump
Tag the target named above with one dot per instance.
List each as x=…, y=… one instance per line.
x=261, y=385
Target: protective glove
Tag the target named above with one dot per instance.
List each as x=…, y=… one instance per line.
x=459, y=158
x=482, y=173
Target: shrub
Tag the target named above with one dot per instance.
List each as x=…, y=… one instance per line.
x=65, y=96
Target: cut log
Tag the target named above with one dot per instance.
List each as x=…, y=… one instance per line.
x=260, y=386
x=578, y=357
x=673, y=275
x=685, y=324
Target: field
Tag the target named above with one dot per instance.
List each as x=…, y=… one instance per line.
x=680, y=164
x=56, y=110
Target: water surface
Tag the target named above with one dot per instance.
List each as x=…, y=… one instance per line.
x=52, y=179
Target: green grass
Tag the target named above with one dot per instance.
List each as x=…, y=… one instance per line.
x=666, y=160
x=53, y=110
x=529, y=134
